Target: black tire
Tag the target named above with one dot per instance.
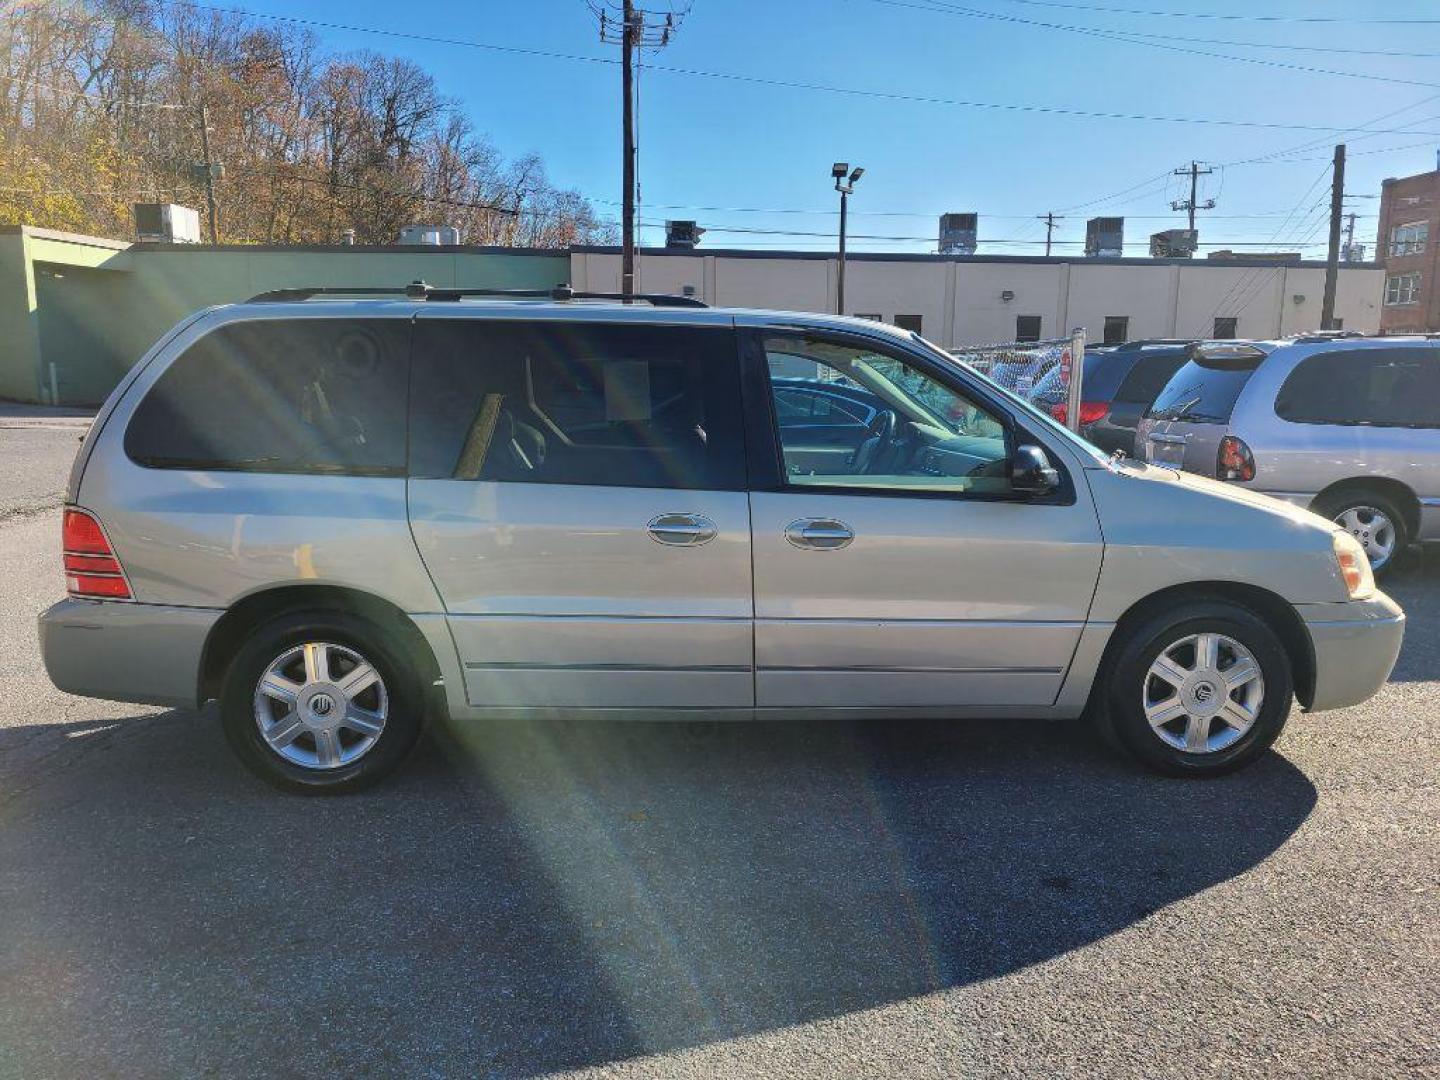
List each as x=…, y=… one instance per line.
x=402, y=684
x=1333, y=506
x=1126, y=680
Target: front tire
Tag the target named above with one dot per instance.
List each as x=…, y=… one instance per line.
x=1199, y=690
x=321, y=702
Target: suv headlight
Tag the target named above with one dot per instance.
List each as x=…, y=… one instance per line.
x=1354, y=566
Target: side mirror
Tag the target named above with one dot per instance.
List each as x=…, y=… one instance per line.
x=1031, y=472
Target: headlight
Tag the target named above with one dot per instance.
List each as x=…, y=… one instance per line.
x=1354, y=566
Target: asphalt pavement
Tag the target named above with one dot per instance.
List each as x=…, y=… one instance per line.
x=917, y=899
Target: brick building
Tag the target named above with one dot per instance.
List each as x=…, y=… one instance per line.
x=1409, y=249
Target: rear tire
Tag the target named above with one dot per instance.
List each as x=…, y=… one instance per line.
x=1374, y=520
x=339, y=708
x=1200, y=690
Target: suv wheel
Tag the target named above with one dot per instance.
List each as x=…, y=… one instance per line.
x=1200, y=690
x=1374, y=520
x=320, y=702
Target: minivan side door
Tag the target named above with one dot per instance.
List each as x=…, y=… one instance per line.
x=915, y=577
x=577, y=492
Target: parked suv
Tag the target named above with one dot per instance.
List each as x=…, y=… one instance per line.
x=337, y=516
x=1118, y=386
x=1346, y=427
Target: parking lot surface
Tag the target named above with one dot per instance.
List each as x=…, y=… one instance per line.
x=925, y=899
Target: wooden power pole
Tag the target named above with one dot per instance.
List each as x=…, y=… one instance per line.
x=1332, y=258
x=209, y=169
x=627, y=180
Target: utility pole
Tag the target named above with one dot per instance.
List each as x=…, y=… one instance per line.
x=1049, y=220
x=845, y=178
x=639, y=29
x=627, y=218
x=1347, y=250
x=209, y=168
x=1332, y=258
x=1194, y=170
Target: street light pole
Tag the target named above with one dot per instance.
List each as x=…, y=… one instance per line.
x=845, y=179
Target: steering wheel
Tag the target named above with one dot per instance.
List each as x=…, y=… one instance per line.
x=879, y=436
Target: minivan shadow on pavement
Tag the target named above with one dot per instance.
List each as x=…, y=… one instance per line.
x=528, y=897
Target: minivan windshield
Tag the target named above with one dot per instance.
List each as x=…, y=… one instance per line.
x=1204, y=390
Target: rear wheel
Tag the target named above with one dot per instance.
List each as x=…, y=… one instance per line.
x=1374, y=520
x=1199, y=690
x=321, y=702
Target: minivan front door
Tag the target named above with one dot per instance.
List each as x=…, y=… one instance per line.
x=577, y=494
x=917, y=578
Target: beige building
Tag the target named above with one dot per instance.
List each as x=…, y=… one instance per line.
x=975, y=299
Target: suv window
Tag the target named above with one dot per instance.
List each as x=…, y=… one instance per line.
x=1204, y=390
x=292, y=395
x=1148, y=377
x=1394, y=387
x=577, y=403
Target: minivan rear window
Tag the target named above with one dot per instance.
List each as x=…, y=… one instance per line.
x=1204, y=390
x=290, y=396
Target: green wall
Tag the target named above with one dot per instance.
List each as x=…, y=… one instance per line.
x=93, y=311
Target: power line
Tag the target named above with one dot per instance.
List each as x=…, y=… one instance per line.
x=1222, y=16
x=81, y=95
x=1147, y=41
x=789, y=84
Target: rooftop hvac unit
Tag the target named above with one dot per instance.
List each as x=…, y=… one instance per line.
x=1105, y=237
x=430, y=236
x=682, y=234
x=1174, y=243
x=958, y=233
x=167, y=223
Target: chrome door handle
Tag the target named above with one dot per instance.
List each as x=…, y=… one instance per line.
x=819, y=534
x=682, y=530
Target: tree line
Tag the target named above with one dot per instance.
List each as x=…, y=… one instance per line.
x=100, y=107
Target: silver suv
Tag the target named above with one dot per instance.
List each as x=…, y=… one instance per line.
x=1346, y=427
x=339, y=516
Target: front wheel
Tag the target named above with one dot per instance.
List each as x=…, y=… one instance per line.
x=1200, y=690
x=321, y=702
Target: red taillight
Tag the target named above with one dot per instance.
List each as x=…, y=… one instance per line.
x=1091, y=412
x=91, y=568
x=1234, y=462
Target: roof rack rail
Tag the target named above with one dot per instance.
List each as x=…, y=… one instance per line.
x=1314, y=336
x=419, y=290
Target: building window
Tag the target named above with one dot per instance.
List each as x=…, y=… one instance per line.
x=1403, y=288
x=909, y=322
x=1027, y=327
x=1117, y=329
x=1409, y=239
x=870, y=318
x=1225, y=327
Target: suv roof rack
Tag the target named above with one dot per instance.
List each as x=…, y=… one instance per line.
x=1314, y=336
x=419, y=290
x=1140, y=343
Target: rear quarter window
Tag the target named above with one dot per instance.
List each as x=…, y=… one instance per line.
x=293, y=396
x=1204, y=390
x=1148, y=377
x=1381, y=387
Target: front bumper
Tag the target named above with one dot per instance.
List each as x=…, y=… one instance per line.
x=1356, y=645
x=148, y=654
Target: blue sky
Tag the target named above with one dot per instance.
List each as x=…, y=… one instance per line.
x=740, y=147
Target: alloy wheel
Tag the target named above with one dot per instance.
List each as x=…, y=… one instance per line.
x=1373, y=528
x=321, y=706
x=1203, y=693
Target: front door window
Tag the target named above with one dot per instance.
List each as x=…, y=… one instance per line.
x=919, y=435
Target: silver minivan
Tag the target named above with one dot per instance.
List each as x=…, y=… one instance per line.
x=341, y=516
x=1347, y=427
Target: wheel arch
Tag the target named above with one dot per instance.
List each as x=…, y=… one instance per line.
x=260, y=607
x=1277, y=612
x=1398, y=491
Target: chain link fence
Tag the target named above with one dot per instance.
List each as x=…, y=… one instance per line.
x=1045, y=373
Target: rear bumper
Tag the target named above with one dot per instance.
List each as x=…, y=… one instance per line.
x=148, y=654
x=1356, y=645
